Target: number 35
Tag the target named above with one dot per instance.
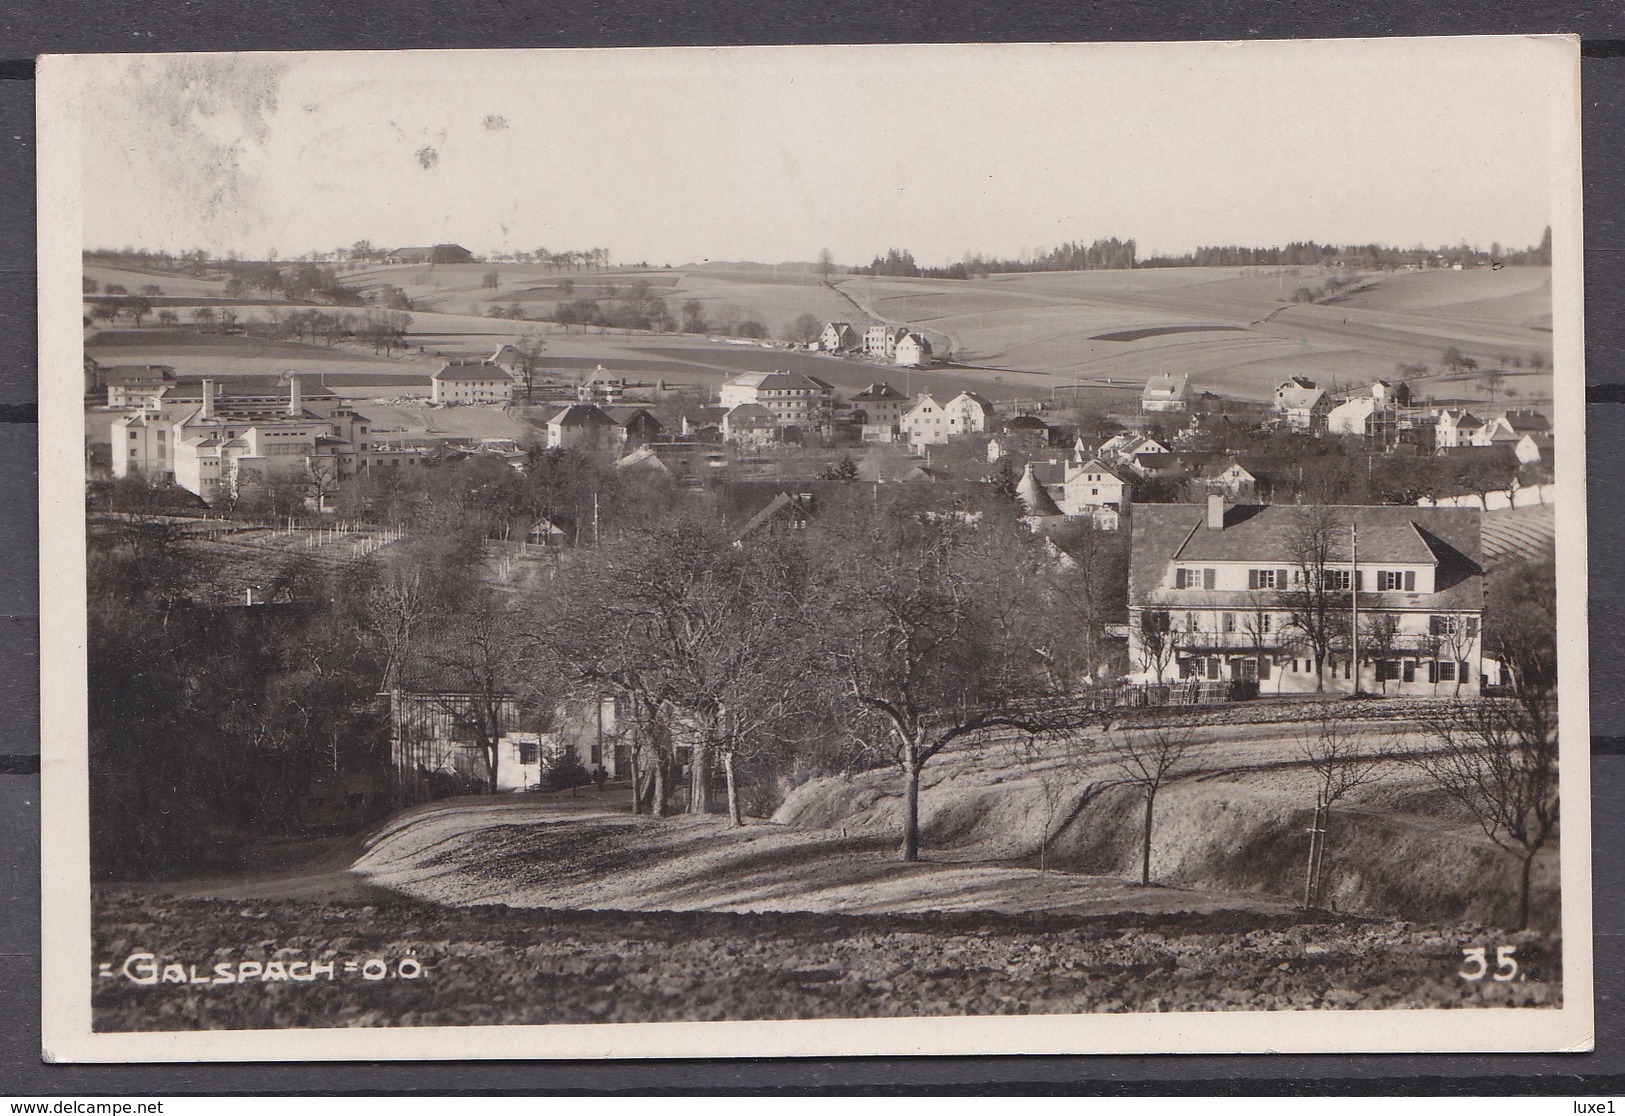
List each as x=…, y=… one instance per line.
x=1506, y=968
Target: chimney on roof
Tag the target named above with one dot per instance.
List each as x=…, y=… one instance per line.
x=296, y=404
x=1215, y=511
x=208, y=398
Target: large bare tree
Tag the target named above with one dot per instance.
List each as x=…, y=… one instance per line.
x=931, y=637
x=1316, y=598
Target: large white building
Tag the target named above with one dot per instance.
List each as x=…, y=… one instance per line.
x=210, y=435
x=471, y=381
x=1217, y=592
x=793, y=398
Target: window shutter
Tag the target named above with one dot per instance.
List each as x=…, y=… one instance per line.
x=1252, y=579
x=1433, y=670
x=1263, y=669
x=1359, y=581
x=1461, y=670
x=1179, y=577
x=1280, y=579
x=1207, y=579
x=1410, y=581
x=1472, y=627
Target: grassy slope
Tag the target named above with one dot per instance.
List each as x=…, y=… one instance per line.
x=1047, y=322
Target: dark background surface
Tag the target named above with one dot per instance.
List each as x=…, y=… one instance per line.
x=190, y=25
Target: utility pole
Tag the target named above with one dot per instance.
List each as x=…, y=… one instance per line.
x=1354, y=599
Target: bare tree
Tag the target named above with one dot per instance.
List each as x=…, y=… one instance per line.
x=930, y=644
x=1497, y=760
x=1341, y=764
x=1379, y=640
x=826, y=263
x=1316, y=598
x=1149, y=758
x=1157, y=642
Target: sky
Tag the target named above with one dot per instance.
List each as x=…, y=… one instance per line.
x=772, y=154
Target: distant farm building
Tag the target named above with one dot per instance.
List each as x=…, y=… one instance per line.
x=1166, y=393
x=471, y=381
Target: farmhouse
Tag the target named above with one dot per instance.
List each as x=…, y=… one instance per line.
x=1305, y=409
x=912, y=351
x=838, y=337
x=1458, y=428
x=471, y=381
x=1166, y=393
x=1230, y=479
x=438, y=254
x=750, y=425
x=1092, y=490
x=1230, y=593
x=581, y=426
x=969, y=413
x=925, y=423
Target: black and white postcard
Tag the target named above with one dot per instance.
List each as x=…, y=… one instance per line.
x=814, y=550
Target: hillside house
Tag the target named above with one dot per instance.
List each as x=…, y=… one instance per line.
x=582, y=426
x=925, y=423
x=600, y=386
x=878, y=409
x=1167, y=392
x=881, y=340
x=437, y=254
x=1090, y=489
x=1533, y=447
x=1215, y=592
x=750, y=426
x=792, y=398
x=838, y=337
x=1303, y=409
x=436, y=748
x=969, y=413
x=1456, y=428
x=635, y=426
x=1026, y=433
x=912, y=351
x=471, y=382
x=1120, y=449
x=1290, y=388
x=1230, y=479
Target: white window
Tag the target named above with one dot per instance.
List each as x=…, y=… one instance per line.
x=1338, y=581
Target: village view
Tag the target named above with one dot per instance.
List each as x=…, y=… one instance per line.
x=621, y=641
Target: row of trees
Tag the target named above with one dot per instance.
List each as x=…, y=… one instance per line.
x=1108, y=253
x=1309, y=253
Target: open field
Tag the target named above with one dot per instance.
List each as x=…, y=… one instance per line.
x=772, y=296
x=495, y=965
x=1235, y=330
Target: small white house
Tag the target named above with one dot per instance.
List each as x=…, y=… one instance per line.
x=1166, y=392
x=913, y=351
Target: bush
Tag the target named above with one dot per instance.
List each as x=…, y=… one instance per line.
x=564, y=772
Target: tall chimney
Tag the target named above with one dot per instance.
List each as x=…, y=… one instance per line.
x=296, y=405
x=208, y=398
x=1215, y=511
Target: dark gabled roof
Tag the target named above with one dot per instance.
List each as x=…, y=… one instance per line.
x=782, y=506
x=1026, y=422
x=1527, y=422
x=750, y=414
x=137, y=374
x=1446, y=537
x=472, y=370
x=581, y=414
x=880, y=393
